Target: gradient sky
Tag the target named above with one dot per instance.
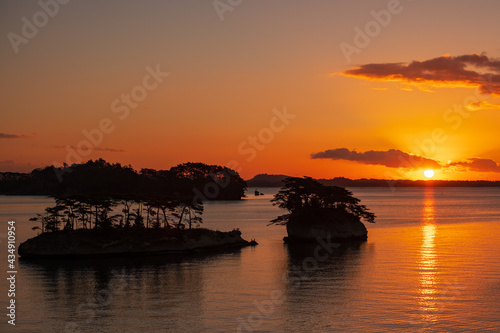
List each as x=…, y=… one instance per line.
x=408, y=98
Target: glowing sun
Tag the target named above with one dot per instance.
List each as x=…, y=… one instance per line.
x=429, y=173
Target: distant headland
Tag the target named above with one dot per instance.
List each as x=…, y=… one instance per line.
x=266, y=180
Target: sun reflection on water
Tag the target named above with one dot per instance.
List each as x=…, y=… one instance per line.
x=427, y=261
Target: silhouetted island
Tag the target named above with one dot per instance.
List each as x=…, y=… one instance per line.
x=129, y=242
x=108, y=209
x=207, y=182
x=319, y=212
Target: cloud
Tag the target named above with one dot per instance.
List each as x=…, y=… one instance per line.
x=482, y=105
x=478, y=164
x=391, y=158
x=471, y=70
x=111, y=150
x=12, y=136
x=394, y=158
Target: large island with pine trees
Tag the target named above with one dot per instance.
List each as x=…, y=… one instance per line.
x=104, y=209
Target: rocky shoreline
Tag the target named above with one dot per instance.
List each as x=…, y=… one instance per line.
x=130, y=242
x=338, y=230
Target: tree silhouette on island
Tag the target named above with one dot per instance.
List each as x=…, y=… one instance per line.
x=110, y=209
x=319, y=211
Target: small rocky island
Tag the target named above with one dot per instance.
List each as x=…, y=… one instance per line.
x=317, y=212
x=128, y=242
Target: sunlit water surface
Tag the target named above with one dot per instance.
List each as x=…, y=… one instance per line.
x=431, y=263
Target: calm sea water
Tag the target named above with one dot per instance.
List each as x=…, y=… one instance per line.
x=431, y=263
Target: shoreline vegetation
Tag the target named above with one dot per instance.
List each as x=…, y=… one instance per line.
x=109, y=209
x=207, y=182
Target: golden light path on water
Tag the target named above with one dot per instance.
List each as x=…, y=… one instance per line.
x=427, y=262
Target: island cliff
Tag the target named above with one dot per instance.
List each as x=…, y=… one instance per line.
x=336, y=229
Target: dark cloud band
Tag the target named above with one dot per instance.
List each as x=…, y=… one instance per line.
x=466, y=70
x=394, y=158
x=391, y=158
x=12, y=136
x=478, y=164
x=111, y=150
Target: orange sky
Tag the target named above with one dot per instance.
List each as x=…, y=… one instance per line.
x=261, y=86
